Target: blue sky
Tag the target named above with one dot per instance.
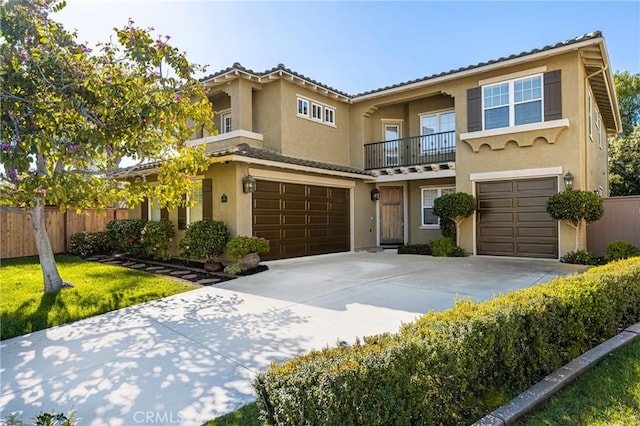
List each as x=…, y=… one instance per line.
x=358, y=46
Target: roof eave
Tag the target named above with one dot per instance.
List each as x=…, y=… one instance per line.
x=479, y=70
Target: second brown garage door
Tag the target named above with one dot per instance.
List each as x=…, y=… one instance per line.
x=512, y=219
x=301, y=220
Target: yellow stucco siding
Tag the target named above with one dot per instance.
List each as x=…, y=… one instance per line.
x=308, y=138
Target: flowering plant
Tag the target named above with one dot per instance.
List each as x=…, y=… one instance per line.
x=241, y=245
x=157, y=237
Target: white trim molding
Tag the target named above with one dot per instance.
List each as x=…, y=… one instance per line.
x=564, y=122
x=514, y=174
x=224, y=136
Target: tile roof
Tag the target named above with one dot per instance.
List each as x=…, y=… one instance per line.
x=584, y=37
x=245, y=150
x=280, y=67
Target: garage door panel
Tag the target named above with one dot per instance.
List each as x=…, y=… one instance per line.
x=497, y=247
x=540, y=185
x=537, y=232
x=267, y=219
x=294, y=205
x=534, y=217
x=266, y=187
x=499, y=217
x=292, y=234
x=294, y=219
x=318, y=206
x=490, y=231
x=301, y=220
x=496, y=203
x=534, y=250
x=512, y=218
x=495, y=187
x=534, y=202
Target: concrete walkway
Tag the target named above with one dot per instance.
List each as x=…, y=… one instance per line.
x=190, y=358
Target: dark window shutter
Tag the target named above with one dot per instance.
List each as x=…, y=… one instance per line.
x=474, y=109
x=164, y=214
x=552, y=96
x=182, y=216
x=207, y=199
x=144, y=210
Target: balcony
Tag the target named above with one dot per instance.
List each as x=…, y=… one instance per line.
x=436, y=148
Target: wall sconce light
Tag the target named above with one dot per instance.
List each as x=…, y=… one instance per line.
x=224, y=198
x=568, y=181
x=375, y=194
x=248, y=184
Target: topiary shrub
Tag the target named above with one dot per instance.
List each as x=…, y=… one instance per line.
x=452, y=367
x=576, y=208
x=125, y=236
x=157, y=236
x=204, y=239
x=617, y=250
x=423, y=249
x=454, y=207
x=89, y=243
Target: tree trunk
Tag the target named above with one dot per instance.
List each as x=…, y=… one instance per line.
x=52, y=281
x=577, y=236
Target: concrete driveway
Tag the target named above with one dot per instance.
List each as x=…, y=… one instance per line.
x=189, y=358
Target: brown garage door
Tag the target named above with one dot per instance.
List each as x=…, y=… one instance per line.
x=512, y=220
x=301, y=220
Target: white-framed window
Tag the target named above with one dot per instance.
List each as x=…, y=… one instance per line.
x=316, y=111
x=598, y=125
x=590, y=115
x=434, y=128
x=225, y=121
x=429, y=220
x=512, y=103
x=329, y=115
x=392, y=132
x=303, y=107
x=194, y=213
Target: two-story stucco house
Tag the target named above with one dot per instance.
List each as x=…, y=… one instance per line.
x=316, y=170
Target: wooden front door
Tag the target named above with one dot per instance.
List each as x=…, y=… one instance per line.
x=391, y=215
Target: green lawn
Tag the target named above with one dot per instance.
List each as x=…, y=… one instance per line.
x=98, y=289
x=609, y=394
x=245, y=416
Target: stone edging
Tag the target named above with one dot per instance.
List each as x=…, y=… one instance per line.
x=554, y=382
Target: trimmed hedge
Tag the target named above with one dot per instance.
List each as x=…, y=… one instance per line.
x=453, y=367
x=88, y=243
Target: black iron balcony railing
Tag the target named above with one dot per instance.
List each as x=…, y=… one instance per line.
x=411, y=151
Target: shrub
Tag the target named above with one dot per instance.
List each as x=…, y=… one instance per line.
x=157, y=237
x=576, y=208
x=617, y=250
x=423, y=249
x=452, y=367
x=234, y=268
x=454, y=207
x=445, y=247
x=241, y=245
x=88, y=243
x=581, y=257
x=126, y=235
x=204, y=239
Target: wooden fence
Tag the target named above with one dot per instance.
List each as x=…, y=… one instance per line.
x=16, y=232
x=621, y=221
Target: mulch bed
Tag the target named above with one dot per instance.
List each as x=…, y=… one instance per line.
x=174, y=268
